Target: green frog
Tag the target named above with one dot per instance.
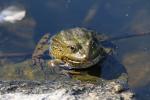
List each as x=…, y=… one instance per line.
x=75, y=48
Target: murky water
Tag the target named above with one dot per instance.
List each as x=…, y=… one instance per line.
x=114, y=18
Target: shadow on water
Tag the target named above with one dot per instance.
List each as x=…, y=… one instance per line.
x=111, y=68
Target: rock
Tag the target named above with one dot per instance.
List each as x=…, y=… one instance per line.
x=64, y=90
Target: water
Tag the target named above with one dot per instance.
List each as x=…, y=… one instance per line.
x=114, y=18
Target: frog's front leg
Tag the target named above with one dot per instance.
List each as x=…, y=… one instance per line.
x=41, y=48
x=58, y=66
x=52, y=64
x=55, y=66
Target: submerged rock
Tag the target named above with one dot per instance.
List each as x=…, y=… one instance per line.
x=105, y=81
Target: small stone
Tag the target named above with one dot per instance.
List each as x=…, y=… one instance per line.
x=128, y=95
x=116, y=87
x=92, y=96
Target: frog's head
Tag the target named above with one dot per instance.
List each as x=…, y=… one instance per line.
x=77, y=47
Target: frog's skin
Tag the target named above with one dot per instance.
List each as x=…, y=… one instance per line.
x=75, y=48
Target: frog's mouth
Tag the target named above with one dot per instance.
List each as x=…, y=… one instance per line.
x=79, y=64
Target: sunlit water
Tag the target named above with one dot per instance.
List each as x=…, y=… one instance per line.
x=114, y=18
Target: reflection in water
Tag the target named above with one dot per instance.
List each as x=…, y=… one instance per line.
x=91, y=13
x=16, y=29
x=17, y=37
x=138, y=66
x=12, y=14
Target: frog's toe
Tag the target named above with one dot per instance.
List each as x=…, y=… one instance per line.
x=66, y=73
x=55, y=70
x=66, y=67
x=38, y=62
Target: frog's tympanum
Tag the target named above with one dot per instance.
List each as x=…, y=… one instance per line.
x=75, y=48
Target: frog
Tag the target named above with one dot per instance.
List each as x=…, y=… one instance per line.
x=73, y=48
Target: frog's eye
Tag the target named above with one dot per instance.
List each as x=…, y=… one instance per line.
x=73, y=48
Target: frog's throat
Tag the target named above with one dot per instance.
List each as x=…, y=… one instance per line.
x=83, y=64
